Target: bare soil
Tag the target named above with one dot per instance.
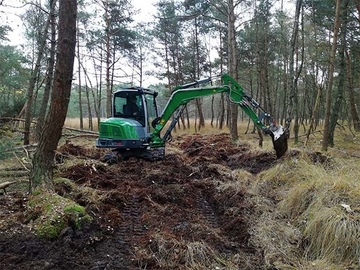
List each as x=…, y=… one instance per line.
x=169, y=214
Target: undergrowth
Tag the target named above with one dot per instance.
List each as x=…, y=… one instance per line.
x=319, y=197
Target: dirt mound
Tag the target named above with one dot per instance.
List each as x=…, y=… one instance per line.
x=70, y=150
x=220, y=150
x=187, y=211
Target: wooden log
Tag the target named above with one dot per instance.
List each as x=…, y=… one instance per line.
x=6, y=174
x=81, y=130
x=6, y=184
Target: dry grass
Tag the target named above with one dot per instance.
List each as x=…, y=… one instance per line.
x=319, y=199
x=333, y=234
x=170, y=253
x=323, y=265
x=75, y=123
x=278, y=239
x=200, y=256
x=332, y=217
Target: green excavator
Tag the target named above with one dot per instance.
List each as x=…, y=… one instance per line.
x=135, y=128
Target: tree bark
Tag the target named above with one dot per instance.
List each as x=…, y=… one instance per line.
x=342, y=74
x=325, y=142
x=221, y=117
x=232, y=62
x=354, y=114
x=198, y=101
x=33, y=79
x=79, y=78
x=293, y=97
x=108, y=62
x=50, y=72
x=314, y=113
x=41, y=175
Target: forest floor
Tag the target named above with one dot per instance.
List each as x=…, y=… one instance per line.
x=196, y=209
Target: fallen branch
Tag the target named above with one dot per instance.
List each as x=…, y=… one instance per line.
x=80, y=130
x=82, y=135
x=23, y=147
x=22, y=162
x=6, y=184
x=8, y=119
x=6, y=174
x=12, y=169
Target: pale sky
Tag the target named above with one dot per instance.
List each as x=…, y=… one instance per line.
x=146, y=8
x=9, y=15
x=10, y=9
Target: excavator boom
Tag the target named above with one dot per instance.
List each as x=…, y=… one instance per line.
x=185, y=93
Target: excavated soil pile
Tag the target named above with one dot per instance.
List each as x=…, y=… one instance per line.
x=183, y=212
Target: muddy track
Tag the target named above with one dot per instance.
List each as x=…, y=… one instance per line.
x=206, y=210
x=125, y=236
x=131, y=225
x=154, y=215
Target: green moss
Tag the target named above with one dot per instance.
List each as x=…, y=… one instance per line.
x=75, y=208
x=77, y=216
x=50, y=229
x=56, y=214
x=61, y=180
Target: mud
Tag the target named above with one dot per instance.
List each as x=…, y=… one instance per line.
x=179, y=213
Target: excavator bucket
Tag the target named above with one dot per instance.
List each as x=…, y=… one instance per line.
x=279, y=139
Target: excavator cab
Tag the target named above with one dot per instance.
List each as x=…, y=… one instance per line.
x=129, y=104
x=128, y=131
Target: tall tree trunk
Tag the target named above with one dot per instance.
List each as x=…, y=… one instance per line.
x=50, y=72
x=96, y=91
x=326, y=136
x=167, y=61
x=91, y=126
x=342, y=74
x=79, y=79
x=141, y=71
x=87, y=91
x=293, y=98
x=232, y=62
x=354, y=114
x=212, y=111
x=33, y=79
x=41, y=175
x=221, y=117
x=108, y=65
x=198, y=100
x=265, y=64
x=314, y=114
x=297, y=72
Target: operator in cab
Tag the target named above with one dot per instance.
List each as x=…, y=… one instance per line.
x=131, y=107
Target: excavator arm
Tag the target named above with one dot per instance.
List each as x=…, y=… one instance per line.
x=183, y=94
